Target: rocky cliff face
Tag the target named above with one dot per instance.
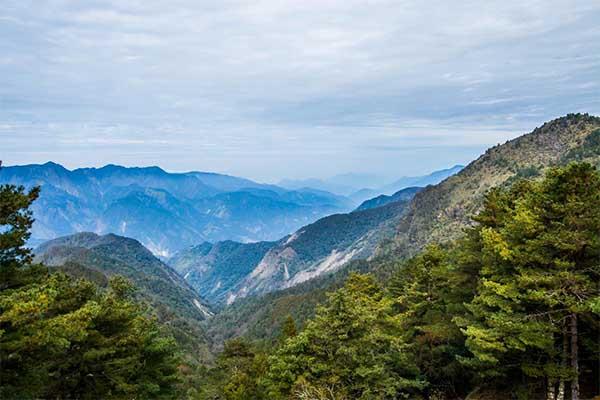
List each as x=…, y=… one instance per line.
x=227, y=271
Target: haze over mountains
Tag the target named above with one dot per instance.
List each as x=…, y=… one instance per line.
x=212, y=291
x=300, y=200
x=231, y=238
x=204, y=221
x=186, y=215
x=361, y=187
x=228, y=271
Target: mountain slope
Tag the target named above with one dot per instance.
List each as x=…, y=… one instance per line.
x=320, y=247
x=316, y=249
x=261, y=317
x=328, y=244
x=111, y=254
x=214, y=269
x=439, y=212
x=227, y=183
x=400, y=195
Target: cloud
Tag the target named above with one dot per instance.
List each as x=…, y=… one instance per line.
x=255, y=88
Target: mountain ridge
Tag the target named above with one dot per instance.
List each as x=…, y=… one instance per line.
x=363, y=186
x=87, y=248
x=381, y=200
x=165, y=211
x=291, y=260
x=439, y=212
x=167, y=295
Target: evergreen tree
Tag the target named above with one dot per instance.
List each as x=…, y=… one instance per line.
x=428, y=292
x=61, y=338
x=15, y=220
x=238, y=374
x=350, y=349
x=539, y=281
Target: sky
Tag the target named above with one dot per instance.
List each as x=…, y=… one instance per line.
x=288, y=89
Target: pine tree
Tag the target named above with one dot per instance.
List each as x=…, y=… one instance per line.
x=539, y=280
x=351, y=349
x=61, y=338
x=238, y=374
x=16, y=220
x=429, y=292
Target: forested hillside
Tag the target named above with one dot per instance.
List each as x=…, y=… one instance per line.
x=99, y=258
x=485, y=286
x=437, y=213
x=214, y=269
x=507, y=310
x=440, y=212
x=67, y=338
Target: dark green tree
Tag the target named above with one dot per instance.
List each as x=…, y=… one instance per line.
x=15, y=220
x=428, y=292
x=288, y=329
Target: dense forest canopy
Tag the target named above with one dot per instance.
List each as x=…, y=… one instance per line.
x=66, y=338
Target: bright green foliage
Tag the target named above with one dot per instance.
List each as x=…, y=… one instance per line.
x=351, y=348
x=97, y=258
x=64, y=338
x=540, y=261
x=244, y=366
x=61, y=338
x=238, y=375
x=428, y=291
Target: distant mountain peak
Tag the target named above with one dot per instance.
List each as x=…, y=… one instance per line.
x=401, y=195
x=52, y=164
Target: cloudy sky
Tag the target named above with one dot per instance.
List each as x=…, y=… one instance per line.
x=272, y=89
